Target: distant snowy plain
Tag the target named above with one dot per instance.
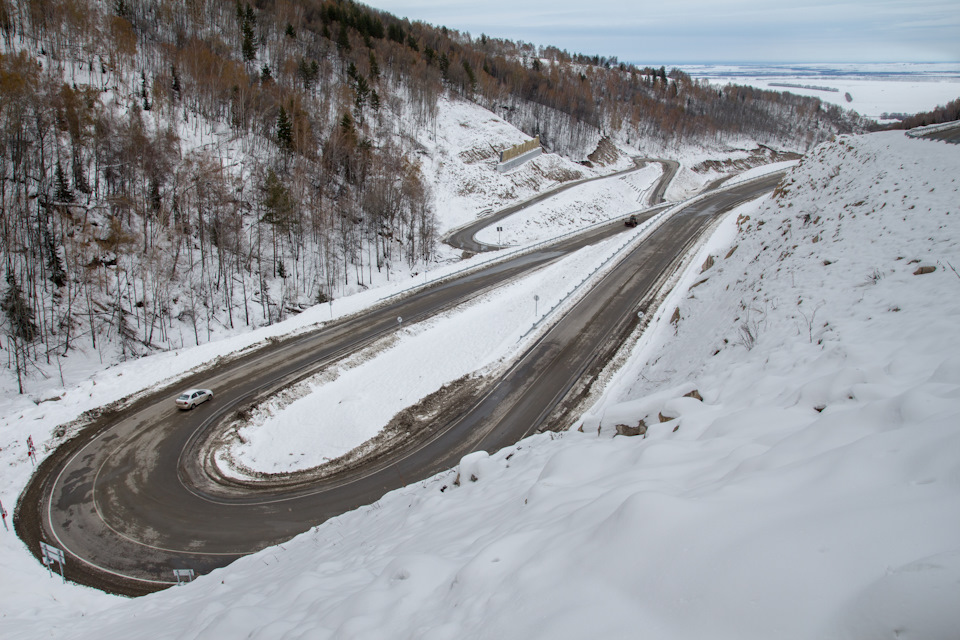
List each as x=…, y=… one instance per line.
x=874, y=89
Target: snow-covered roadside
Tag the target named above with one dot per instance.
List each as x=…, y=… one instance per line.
x=812, y=493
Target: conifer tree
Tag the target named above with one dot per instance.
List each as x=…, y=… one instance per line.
x=19, y=313
x=343, y=39
x=23, y=330
x=248, y=47
x=63, y=193
x=284, y=131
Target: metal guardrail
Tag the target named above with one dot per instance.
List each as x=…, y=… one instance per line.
x=642, y=232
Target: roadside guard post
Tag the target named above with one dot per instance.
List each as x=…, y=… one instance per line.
x=31, y=450
x=50, y=555
x=3, y=516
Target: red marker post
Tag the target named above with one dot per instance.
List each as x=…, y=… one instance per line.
x=31, y=450
x=3, y=516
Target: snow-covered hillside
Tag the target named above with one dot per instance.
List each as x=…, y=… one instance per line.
x=812, y=492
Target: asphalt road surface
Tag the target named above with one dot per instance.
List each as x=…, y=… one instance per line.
x=130, y=502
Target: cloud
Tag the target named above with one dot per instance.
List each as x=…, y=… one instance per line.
x=701, y=30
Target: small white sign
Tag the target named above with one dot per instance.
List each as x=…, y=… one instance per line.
x=183, y=575
x=50, y=554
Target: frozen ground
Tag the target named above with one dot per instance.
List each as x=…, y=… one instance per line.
x=813, y=492
x=874, y=89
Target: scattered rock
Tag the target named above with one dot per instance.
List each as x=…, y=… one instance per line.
x=625, y=430
x=924, y=269
x=693, y=394
x=707, y=264
x=606, y=153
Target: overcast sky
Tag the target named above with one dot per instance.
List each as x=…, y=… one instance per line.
x=688, y=31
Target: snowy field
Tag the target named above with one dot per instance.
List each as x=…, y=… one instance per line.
x=813, y=492
x=875, y=89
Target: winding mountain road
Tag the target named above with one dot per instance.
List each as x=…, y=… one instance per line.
x=463, y=237
x=131, y=498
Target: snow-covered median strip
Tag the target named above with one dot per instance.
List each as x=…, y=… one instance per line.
x=339, y=409
x=575, y=209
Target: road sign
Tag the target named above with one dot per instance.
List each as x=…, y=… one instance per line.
x=183, y=576
x=51, y=554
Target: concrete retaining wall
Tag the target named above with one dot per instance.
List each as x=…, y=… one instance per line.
x=513, y=163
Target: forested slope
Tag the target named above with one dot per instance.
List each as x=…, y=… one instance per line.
x=210, y=163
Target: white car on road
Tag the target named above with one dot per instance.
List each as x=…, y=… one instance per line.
x=191, y=398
